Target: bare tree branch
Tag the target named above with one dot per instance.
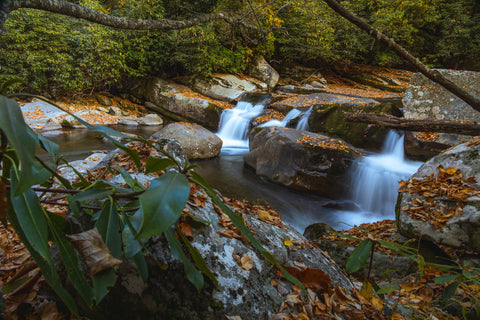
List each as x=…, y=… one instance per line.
x=433, y=75
x=388, y=121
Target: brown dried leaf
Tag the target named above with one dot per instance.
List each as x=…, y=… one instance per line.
x=95, y=253
x=246, y=262
x=315, y=279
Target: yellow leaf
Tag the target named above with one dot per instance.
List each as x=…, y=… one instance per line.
x=367, y=291
x=377, y=303
x=449, y=170
x=288, y=242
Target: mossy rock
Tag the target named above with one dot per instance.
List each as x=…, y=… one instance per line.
x=330, y=120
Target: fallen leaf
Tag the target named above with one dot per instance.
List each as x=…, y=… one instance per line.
x=288, y=242
x=94, y=251
x=315, y=279
x=246, y=262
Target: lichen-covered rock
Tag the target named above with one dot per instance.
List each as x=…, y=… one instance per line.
x=244, y=291
x=196, y=141
x=425, y=99
x=301, y=160
x=264, y=72
x=178, y=102
x=227, y=87
x=456, y=225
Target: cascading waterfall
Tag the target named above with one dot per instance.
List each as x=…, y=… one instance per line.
x=303, y=122
x=375, y=178
x=234, y=123
x=283, y=123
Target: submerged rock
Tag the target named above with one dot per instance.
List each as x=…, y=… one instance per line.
x=444, y=214
x=196, y=141
x=301, y=160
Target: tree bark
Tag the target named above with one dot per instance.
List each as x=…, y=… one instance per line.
x=433, y=75
x=388, y=121
x=81, y=12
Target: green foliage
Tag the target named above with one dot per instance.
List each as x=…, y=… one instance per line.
x=156, y=210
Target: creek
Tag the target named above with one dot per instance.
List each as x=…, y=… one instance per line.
x=374, y=178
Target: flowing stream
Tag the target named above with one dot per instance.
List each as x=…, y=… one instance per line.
x=375, y=177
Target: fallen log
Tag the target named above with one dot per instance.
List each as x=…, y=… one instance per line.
x=446, y=126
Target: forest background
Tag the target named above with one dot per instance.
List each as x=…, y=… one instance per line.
x=56, y=55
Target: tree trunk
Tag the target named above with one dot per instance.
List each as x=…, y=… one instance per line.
x=459, y=127
x=433, y=75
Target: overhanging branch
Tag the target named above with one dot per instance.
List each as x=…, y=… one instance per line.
x=433, y=75
x=388, y=121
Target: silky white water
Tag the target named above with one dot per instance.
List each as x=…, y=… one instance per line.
x=375, y=178
x=283, y=123
x=303, y=122
x=235, y=122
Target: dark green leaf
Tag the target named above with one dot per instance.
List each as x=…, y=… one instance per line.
x=445, y=279
x=386, y=289
x=30, y=217
x=14, y=127
x=198, y=259
x=449, y=291
x=109, y=227
x=158, y=164
x=359, y=256
x=46, y=266
x=102, y=282
x=129, y=180
x=70, y=261
x=162, y=203
x=141, y=264
x=193, y=275
x=131, y=246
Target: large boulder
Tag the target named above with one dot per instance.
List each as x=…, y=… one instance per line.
x=196, y=141
x=425, y=99
x=179, y=102
x=248, y=285
x=301, y=160
x=328, y=117
x=441, y=202
x=226, y=87
x=264, y=72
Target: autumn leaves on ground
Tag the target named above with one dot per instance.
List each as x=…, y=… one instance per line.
x=423, y=292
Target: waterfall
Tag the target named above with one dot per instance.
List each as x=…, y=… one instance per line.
x=235, y=122
x=303, y=122
x=375, y=177
x=283, y=123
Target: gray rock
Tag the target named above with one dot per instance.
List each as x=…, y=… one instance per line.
x=264, y=72
x=151, y=119
x=104, y=101
x=172, y=100
x=460, y=231
x=247, y=293
x=301, y=160
x=196, y=141
x=425, y=99
x=226, y=87
x=329, y=119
